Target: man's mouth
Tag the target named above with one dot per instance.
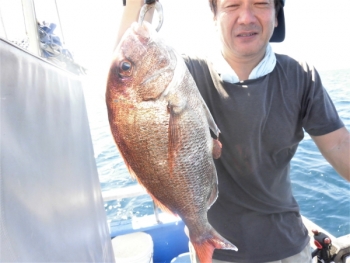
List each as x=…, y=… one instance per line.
x=247, y=34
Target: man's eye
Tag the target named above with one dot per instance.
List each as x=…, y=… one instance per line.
x=232, y=6
x=262, y=4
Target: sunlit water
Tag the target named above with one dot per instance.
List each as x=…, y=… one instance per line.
x=323, y=196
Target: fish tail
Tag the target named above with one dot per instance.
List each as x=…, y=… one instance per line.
x=205, y=249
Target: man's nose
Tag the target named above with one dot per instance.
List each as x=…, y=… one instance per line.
x=247, y=15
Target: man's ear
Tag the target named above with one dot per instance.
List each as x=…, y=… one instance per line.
x=215, y=22
x=276, y=21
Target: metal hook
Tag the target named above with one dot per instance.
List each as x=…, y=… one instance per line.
x=149, y=4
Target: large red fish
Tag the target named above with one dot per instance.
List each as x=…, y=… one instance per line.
x=160, y=124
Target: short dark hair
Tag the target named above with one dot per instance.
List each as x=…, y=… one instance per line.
x=214, y=8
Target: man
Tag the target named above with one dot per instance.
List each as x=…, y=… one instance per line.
x=262, y=102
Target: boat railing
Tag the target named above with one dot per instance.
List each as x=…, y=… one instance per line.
x=340, y=245
x=120, y=193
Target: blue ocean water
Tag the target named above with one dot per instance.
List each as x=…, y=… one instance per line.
x=323, y=196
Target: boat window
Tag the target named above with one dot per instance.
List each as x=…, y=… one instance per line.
x=12, y=24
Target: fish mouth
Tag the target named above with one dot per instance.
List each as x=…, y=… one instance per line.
x=142, y=32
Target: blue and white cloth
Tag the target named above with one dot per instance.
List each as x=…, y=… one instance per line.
x=266, y=65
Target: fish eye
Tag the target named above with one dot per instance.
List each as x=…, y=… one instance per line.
x=125, y=68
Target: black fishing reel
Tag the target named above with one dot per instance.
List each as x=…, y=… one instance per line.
x=324, y=248
x=328, y=252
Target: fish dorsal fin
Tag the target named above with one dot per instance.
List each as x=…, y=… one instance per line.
x=210, y=119
x=212, y=125
x=213, y=195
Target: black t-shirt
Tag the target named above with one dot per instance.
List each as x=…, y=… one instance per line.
x=262, y=122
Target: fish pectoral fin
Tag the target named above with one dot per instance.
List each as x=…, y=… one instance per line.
x=174, y=136
x=174, y=129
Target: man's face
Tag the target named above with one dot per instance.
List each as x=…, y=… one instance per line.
x=245, y=26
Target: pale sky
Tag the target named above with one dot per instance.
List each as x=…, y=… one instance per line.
x=317, y=30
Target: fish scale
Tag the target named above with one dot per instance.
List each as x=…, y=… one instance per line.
x=160, y=124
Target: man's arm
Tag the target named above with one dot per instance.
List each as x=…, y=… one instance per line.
x=335, y=147
x=130, y=15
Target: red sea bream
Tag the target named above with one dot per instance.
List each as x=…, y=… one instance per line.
x=161, y=124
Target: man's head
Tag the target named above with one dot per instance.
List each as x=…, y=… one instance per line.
x=246, y=26
x=213, y=5
x=279, y=32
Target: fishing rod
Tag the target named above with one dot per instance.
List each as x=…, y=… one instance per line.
x=150, y=4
